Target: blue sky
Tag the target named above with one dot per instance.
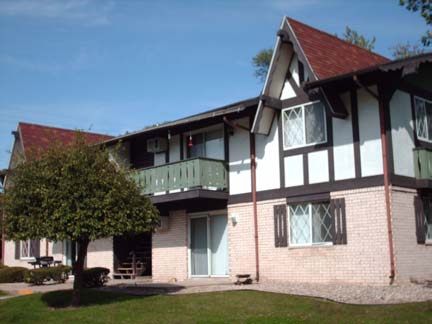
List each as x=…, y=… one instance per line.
x=119, y=65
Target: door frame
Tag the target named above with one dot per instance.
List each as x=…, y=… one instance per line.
x=206, y=215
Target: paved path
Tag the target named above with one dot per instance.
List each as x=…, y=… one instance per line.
x=353, y=294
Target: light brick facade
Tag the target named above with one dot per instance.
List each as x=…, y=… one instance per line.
x=170, y=249
x=413, y=261
x=365, y=259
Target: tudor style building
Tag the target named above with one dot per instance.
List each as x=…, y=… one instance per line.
x=326, y=176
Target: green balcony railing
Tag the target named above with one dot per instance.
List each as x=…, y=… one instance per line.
x=423, y=163
x=188, y=174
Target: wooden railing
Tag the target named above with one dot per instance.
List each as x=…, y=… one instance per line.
x=423, y=163
x=188, y=174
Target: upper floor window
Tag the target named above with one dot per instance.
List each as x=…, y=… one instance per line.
x=208, y=144
x=423, y=112
x=304, y=125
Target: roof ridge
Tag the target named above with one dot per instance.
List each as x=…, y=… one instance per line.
x=61, y=128
x=336, y=38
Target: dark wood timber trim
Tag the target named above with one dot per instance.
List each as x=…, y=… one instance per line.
x=385, y=95
x=181, y=146
x=281, y=155
x=356, y=133
x=347, y=184
x=226, y=150
x=296, y=101
x=305, y=149
x=305, y=169
x=416, y=91
x=271, y=102
x=189, y=194
x=321, y=197
x=417, y=142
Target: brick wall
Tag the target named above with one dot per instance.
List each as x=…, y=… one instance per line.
x=169, y=250
x=100, y=254
x=413, y=261
x=365, y=259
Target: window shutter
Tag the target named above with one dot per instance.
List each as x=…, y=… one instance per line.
x=17, y=250
x=338, y=213
x=280, y=225
x=420, y=220
x=35, y=244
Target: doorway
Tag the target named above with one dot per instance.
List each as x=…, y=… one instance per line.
x=208, y=245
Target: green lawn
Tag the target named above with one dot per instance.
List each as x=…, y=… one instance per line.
x=2, y=293
x=218, y=307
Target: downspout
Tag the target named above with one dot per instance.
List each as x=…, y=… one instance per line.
x=382, y=106
x=254, y=202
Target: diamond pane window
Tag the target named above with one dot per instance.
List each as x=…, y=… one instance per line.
x=423, y=109
x=310, y=224
x=27, y=249
x=304, y=125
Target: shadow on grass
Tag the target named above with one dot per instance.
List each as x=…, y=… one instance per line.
x=106, y=295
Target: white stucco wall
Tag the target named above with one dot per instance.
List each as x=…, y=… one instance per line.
x=343, y=150
x=318, y=166
x=239, y=159
x=267, y=159
x=293, y=170
x=370, y=138
x=402, y=133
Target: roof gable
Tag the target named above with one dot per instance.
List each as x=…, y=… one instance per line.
x=329, y=55
x=40, y=137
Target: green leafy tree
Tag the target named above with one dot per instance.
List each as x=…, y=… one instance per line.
x=404, y=50
x=355, y=38
x=425, y=8
x=75, y=193
x=261, y=63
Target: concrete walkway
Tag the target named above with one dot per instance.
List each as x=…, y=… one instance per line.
x=344, y=293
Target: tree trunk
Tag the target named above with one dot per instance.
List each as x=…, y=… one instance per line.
x=79, y=268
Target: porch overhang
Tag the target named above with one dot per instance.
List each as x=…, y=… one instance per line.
x=193, y=200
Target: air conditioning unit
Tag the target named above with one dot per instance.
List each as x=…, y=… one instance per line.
x=156, y=145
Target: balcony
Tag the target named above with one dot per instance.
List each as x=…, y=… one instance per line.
x=423, y=163
x=193, y=178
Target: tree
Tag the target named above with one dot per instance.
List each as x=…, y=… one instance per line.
x=74, y=193
x=261, y=63
x=355, y=38
x=425, y=8
x=404, y=50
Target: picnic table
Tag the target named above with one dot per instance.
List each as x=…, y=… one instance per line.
x=44, y=262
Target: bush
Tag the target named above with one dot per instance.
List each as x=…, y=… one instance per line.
x=2, y=266
x=12, y=274
x=57, y=274
x=95, y=277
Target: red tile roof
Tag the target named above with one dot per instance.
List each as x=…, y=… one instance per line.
x=40, y=137
x=330, y=56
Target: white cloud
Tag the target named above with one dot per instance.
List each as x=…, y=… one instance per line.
x=88, y=12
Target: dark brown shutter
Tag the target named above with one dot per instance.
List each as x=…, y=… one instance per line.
x=17, y=250
x=280, y=225
x=338, y=213
x=420, y=220
x=35, y=244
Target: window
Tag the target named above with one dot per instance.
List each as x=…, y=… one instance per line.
x=28, y=248
x=423, y=112
x=304, y=125
x=310, y=224
x=207, y=145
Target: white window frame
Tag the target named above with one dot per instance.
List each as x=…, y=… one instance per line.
x=427, y=240
x=29, y=250
x=415, y=121
x=304, y=125
x=310, y=227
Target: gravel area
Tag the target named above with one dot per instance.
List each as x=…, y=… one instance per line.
x=351, y=294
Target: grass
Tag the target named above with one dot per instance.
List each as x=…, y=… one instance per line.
x=217, y=307
x=2, y=293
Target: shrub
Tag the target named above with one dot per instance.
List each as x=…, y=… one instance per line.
x=2, y=266
x=57, y=274
x=95, y=277
x=12, y=274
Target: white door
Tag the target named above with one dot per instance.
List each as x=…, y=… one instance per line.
x=208, y=246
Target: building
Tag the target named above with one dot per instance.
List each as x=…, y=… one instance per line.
x=326, y=176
